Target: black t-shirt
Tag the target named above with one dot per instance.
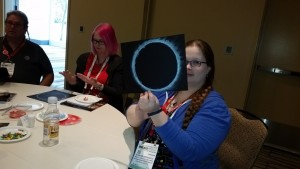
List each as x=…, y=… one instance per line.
x=31, y=63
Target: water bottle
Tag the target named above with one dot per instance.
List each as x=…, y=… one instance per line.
x=51, y=123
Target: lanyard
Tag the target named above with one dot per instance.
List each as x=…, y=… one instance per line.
x=14, y=52
x=169, y=108
x=149, y=125
x=149, y=129
x=91, y=68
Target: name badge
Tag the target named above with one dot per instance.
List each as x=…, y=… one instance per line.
x=9, y=66
x=144, y=155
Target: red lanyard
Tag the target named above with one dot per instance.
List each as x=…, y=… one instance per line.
x=13, y=53
x=169, y=107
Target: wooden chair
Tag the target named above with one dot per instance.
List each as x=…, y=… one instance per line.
x=244, y=141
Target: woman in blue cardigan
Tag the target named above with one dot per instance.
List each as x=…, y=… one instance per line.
x=189, y=126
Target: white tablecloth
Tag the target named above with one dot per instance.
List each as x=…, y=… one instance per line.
x=103, y=132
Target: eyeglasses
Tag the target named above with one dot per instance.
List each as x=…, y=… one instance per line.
x=15, y=24
x=194, y=63
x=98, y=42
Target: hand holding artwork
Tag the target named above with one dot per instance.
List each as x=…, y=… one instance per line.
x=139, y=112
x=148, y=102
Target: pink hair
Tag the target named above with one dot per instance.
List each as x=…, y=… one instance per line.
x=107, y=33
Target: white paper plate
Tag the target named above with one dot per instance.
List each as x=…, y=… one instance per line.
x=97, y=163
x=13, y=130
x=34, y=105
x=5, y=105
x=87, y=98
x=62, y=116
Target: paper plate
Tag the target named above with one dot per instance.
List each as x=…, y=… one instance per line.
x=96, y=163
x=62, y=116
x=87, y=98
x=15, y=133
x=34, y=105
x=5, y=105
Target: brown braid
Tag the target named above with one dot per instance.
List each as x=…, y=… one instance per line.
x=197, y=100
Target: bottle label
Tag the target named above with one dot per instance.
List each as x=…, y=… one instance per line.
x=51, y=130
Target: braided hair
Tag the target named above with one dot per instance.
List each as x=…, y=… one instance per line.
x=199, y=96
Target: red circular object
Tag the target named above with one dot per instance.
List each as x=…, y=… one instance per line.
x=72, y=119
x=16, y=114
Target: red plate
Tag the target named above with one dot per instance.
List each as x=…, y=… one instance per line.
x=14, y=114
x=72, y=119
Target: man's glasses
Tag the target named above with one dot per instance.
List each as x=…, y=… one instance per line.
x=98, y=42
x=15, y=24
x=194, y=63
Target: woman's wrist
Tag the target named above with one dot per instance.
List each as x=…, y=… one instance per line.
x=158, y=118
x=155, y=112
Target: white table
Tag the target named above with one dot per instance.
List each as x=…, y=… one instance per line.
x=103, y=132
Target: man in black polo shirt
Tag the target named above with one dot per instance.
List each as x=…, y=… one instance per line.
x=25, y=61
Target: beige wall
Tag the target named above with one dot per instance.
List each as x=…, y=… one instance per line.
x=220, y=23
x=126, y=16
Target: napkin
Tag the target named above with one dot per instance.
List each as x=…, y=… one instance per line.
x=75, y=102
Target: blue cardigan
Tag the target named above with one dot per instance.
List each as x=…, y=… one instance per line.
x=196, y=146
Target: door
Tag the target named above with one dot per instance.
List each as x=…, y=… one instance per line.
x=275, y=88
x=48, y=28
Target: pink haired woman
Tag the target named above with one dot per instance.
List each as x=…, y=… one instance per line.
x=99, y=72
